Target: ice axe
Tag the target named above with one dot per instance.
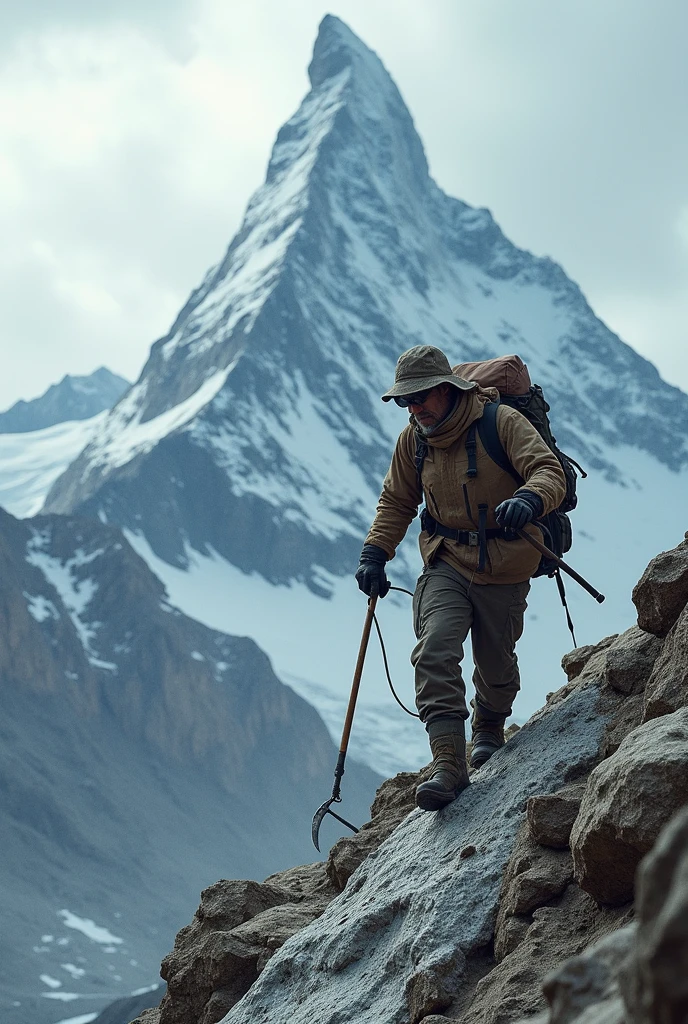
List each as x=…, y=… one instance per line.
x=561, y=564
x=339, y=770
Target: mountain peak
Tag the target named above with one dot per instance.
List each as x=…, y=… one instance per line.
x=336, y=48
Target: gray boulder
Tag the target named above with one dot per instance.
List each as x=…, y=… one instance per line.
x=585, y=989
x=662, y=591
x=667, y=688
x=654, y=982
x=551, y=817
x=630, y=660
x=627, y=801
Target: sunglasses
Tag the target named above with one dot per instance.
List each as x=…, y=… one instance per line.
x=403, y=401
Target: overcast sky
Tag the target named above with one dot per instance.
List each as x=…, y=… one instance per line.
x=133, y=133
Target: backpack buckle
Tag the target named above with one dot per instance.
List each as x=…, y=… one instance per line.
x=473, y=539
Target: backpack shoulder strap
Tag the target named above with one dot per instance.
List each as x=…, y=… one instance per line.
x=487, y=429
x=421, y=452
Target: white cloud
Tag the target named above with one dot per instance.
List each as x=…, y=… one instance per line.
x=132, y=136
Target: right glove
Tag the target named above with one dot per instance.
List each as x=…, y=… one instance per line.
x=514, y=513
x=370, y=575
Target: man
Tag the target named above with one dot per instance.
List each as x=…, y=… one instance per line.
x=476, y=569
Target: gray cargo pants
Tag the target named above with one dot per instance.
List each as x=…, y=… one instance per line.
x=445, y=607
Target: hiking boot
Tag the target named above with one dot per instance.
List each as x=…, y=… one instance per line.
x=449, y=773
x=487, y=734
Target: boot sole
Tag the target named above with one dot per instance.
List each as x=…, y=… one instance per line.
x=428, y=801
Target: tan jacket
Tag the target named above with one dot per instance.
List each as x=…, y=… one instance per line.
x=452, y=497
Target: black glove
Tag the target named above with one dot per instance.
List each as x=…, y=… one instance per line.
x=370, y=574
x=514, y=513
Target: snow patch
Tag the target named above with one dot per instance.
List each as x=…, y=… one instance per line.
x=88, y=928
x=50, y=982
x=41, y=608
x=84, y=1018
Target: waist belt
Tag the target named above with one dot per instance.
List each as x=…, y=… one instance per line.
x=471, y=537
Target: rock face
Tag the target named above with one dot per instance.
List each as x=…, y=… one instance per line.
x=667, y=688
x=394, y=945
x=662, y=592
x=655, y=977
x=235, y=931
x=534, y=876
x=628, y=799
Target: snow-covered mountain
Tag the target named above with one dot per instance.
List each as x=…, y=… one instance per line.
x=246, y=461
x=73, y=398
x=142, y=756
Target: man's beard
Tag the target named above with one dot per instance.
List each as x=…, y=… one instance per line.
x=434, y=427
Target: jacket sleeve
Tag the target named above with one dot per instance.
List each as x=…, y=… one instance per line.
x=401, y=495
x=531, y=458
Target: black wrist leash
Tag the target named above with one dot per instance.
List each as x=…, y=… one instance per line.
x=384, y=656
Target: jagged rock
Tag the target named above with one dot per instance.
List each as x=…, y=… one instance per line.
x=630, y=660
x=667, y=688
x=551, y=817
x=654, y=982
x=628, y=799
x=434, y=986
x=235, y=931
x=627, y=717
x=512, y=989
x=590, y=980
x=393, y=801
x=576, y=660
x=662, y=591
x=534, y=875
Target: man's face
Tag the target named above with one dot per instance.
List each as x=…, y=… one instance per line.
x=437, y=404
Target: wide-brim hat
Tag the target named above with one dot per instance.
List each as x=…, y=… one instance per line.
x=423, y=367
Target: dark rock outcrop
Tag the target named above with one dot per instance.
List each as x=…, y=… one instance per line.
x=662, y=591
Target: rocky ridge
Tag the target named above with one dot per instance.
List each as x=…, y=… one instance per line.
x=553, y=891
x=73, y=398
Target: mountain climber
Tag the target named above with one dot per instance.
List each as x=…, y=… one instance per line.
x=476, y=569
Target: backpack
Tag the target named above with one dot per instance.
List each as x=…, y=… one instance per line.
x=509, y=374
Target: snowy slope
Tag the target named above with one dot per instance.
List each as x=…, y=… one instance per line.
x=246, y=461
x=31, y=462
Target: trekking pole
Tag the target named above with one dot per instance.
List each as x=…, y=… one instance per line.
x=562, y=565
x=339, y=770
